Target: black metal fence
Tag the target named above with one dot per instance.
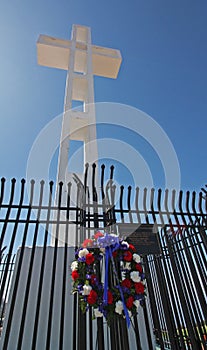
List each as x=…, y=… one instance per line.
x=177, y=289
x=176, y=278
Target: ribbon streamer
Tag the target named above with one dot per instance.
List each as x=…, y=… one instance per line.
x=105, y=294
x=120, y=289
x=107, y=241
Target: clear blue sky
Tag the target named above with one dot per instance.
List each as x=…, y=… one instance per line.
x=164, y=72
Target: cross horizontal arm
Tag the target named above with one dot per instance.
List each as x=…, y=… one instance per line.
x=53, y=52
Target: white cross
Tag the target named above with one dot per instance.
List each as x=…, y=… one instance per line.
x=82, y=60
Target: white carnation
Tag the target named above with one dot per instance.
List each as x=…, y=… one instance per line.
x=97, y=313
x=134, y=275
x=119, y=307
x=74, y=265
x=137, y=258
x=86, y=289
x=83, y=252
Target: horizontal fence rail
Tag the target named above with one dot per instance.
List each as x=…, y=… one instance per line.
x=36, y=216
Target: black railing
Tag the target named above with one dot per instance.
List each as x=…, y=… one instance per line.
x=176, y=278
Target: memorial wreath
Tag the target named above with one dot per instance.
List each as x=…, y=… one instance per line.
x=108, y=276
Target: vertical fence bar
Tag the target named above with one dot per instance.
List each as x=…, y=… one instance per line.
x=129, y=204
x=42, y=270
x=65, y=269
x=49, y=324
x=30, y=265
x=136, y=331
x=94, y=197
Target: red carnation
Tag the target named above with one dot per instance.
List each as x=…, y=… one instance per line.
x=87, y=243
x=98, y=234
x=89, y=259
x=126, y=283
x=129, y=302
x=92, y=297
x=138, y=267
x=128, y=256
x=75, y=275
x=110, y=297
x=139, y=288
x=93, y=279
x=132, y=247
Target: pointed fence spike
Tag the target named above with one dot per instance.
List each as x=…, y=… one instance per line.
x=200, y=201
x=152, y=193
x=159, y=199
x=166, y=200
x=194, y=202
x=180, y=199
x=3, y=180
x=102, y=181
x=145, y=205
x=111, y=172
x=129, y=197
x=173, y=200
x=187, y=199
x=137, y=198
x=137, y=204
x=86, y=175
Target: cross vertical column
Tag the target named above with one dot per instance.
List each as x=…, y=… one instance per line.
x=78, y=125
